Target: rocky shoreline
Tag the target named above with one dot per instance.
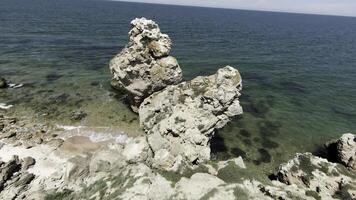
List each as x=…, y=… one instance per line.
x=172, y=161
x=78, y=168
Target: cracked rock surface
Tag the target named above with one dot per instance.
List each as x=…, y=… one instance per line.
x=344, y=150
x=181, y=119
x=144, y=65
x=14, y=177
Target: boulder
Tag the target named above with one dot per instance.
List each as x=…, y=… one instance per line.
x=237, y=161
x=343, y=150
x=318, y=177
x=3, y=83
x=181, y=119
x=136, y=150
x=14, y=178
x=144, y=65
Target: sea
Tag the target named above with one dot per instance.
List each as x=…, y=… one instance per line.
x=298, y=70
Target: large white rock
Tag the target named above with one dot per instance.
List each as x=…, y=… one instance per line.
x=144, y=65
x=181, y=119
x=316, y=175
x=203, y=186
x=136, y=150
x=344, y=150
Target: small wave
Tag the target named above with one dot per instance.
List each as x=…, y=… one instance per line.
x=92, y=134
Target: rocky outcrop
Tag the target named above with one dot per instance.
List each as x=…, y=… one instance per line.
x=78, y=168
x=14, y=177
x=144, y=65
x=181, y=119
x=343, y=150
x=318, y=177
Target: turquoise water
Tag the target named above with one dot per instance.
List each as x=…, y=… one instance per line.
x=299, y=71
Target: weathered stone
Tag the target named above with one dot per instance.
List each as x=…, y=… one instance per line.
x=203, y=186
x=27, y=162
x=344, y=150
x=8, y=169
x=57, y=142
x=237, y=161
x=144, y=65
x=315, y=174
x=181, y=119
x=136, y=150
x=13, y=178
x=3, y=83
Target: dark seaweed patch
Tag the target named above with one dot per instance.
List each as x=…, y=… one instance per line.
x=238, y=152
x=94, y=83
x=269, y=144
x=257, y=109
x=53, y=76
x=269, y=128
x=247, y=142
x=264, y=156
x=256, y=162
x=257, y=140
x=245, y=133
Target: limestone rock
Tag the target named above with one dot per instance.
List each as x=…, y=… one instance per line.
x=14, y=178
x=318, y=177
x=237, y=161
x=181, y=119
x=28, y=162
x=344, y=150
x=144, y=65
x=136, y=150
x=203, y=186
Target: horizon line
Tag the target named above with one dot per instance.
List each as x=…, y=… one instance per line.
x=242, y=9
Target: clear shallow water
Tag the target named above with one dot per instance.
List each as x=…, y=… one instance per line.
x=299, y=71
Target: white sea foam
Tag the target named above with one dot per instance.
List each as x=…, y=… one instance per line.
x=93, y=135
x=4, y=106
x=12, y=85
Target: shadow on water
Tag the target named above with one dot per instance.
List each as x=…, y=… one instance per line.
x=219, y=150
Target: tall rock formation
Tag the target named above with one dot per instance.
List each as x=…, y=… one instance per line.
x=144, y=65
x=181, y=119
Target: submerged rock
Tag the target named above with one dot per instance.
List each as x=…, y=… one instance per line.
x=78, y=115
x=144, y=65
x=344, y=150
x=3, y=83
x=181, y=119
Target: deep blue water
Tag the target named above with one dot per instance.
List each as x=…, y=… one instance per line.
x=299, y=71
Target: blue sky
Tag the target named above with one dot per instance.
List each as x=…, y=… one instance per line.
x=331, y=7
